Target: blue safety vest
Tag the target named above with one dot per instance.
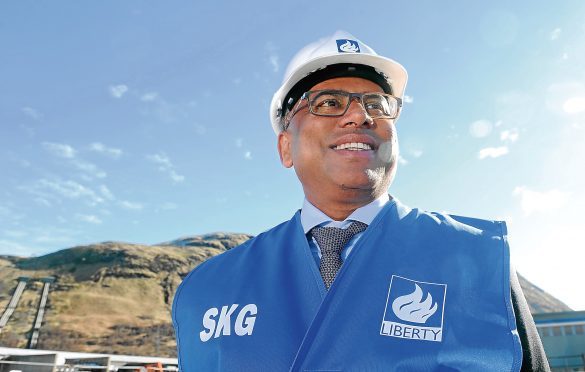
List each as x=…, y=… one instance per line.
x=420, y=292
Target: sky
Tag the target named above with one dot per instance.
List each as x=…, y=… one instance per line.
x=145, y=121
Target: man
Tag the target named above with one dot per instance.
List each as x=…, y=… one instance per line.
x=354, y=281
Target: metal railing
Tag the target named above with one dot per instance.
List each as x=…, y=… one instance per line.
x=34, y=337
x=13, y=301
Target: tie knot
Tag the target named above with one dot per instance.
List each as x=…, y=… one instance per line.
x=333, y=239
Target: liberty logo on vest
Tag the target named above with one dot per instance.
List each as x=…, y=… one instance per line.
x=414, y=310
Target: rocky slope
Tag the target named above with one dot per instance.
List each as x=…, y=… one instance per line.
x=116, y=297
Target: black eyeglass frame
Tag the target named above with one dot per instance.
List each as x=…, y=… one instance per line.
x=307, y=96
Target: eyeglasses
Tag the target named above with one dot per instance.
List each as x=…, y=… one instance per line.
x=336, y=103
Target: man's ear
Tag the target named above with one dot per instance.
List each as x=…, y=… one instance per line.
x=284, y=149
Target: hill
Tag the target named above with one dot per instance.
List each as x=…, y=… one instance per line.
x=116, y=297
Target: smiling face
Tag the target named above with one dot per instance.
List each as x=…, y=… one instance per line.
x=342, y=162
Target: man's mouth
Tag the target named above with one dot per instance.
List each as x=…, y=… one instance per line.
x=353, y=146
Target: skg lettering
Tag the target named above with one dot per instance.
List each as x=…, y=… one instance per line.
x=214, y=326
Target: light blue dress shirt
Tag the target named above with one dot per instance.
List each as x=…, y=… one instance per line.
x=311, y=216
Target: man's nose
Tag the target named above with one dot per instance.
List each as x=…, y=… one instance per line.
x=357, y=114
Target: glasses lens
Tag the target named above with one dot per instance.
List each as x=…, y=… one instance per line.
x=378, y=105
x=329, y=103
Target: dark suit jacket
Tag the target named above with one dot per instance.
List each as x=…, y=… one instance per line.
x=533, y=356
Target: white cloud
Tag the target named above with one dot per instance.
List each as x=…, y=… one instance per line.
x=103, y=149
x=416, y=153
x=401, y=160
x=480, y=128
x=574, y=105
x=117, y=91
x=69, y=189
x=273, y=59
x=492, y=152
x=509, y=135
x=248, y=155
x=131, y=205
x=176, y=177
x=565, y=97
x=161, y=159
x=170, y=112
x=89, y=218
x=408, y=99
x=60, y=149
x=68, y=152
x=89, y=169
x=149, y=97
x=551, y=218
x=534, y=201
x=555, y=34
x=32, y=113
x=166, y=166
x=165, y=111
x=106, y=192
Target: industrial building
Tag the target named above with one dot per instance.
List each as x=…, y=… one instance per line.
x=27, y=360
x=563, y=337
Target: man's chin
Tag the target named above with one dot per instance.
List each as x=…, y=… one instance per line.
x=373, y=182
x=365, y=187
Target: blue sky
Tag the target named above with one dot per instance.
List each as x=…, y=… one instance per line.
x=145, y=121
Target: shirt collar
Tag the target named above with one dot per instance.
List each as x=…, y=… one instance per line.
x=311, y=216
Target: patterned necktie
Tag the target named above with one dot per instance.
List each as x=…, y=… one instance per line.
x=331, y=240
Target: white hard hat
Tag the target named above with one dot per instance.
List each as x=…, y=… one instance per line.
x=341, y=48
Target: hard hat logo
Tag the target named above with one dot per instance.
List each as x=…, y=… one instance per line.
x=347, y=46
